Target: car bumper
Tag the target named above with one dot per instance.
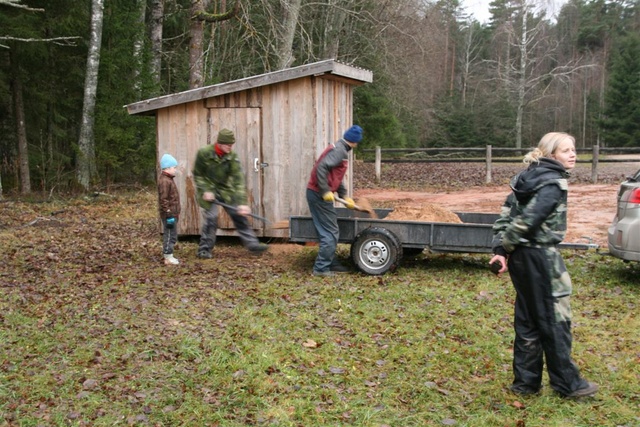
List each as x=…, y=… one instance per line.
x=624, y=239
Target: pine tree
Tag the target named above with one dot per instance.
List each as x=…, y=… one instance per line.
x=621, y=125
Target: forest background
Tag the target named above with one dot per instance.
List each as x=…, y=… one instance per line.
x=441, y=78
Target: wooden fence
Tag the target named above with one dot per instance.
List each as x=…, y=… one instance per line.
x=513, y=155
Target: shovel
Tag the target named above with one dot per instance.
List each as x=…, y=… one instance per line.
x=356, y=207
x=234, y=208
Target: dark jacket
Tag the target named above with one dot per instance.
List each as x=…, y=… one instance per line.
x=223, y=176
x=168, y=196
x=329, y=170
x=535, y=213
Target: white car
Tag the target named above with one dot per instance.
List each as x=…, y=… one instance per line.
x=624, y=233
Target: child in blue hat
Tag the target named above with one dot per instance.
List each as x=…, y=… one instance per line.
x=169, y=199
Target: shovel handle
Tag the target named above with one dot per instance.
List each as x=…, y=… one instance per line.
x=355, y=207
x=235, y=208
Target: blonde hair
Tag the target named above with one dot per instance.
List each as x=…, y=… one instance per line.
x=547, y=146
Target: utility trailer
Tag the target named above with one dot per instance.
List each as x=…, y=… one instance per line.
x=378, y=245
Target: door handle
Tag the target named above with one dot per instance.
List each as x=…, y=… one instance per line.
x=257, y=165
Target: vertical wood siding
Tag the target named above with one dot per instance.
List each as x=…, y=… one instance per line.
x=286, y=125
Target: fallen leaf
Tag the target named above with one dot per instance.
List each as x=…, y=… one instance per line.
x=89, y=384
x=310, y=344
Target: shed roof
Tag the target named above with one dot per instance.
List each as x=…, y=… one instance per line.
x=330, y=66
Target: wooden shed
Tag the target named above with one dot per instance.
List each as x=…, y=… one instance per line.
x=282, y=122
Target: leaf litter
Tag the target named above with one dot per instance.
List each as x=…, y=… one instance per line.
x=89, y=309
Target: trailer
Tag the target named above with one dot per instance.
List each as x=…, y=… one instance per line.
x=378, y=245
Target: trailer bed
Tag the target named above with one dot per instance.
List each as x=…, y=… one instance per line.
x=378, y=244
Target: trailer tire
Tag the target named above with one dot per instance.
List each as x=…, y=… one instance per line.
x=376, y=251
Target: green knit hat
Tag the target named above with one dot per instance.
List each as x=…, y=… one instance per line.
x=225, y=136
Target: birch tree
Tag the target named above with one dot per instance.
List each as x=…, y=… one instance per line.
x=470, y=55
x=86, y=144
x=157, y=19
x=531, y=67
x=138, y=44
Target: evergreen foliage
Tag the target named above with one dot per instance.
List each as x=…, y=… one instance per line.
x=381, y=126
x=485, y=123
x=621, y=123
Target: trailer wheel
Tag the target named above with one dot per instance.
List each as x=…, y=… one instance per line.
x=376, y=251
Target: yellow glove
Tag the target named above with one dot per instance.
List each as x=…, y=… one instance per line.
x=328, y=197
x=350, y=204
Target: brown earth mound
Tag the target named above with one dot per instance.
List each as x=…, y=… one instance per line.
x=424, y=213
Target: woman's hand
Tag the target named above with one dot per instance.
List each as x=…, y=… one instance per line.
x=501, y=260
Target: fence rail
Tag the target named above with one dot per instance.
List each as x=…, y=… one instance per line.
x=444, y=155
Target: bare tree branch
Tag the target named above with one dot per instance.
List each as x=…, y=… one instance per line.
x=16, y=4
x=217, y=17
x=62, y=41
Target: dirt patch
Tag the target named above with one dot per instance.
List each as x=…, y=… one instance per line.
x=591, y=207
x=461, y=188
x=284, y=248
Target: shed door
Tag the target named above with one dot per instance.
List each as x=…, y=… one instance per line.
x=245, y=124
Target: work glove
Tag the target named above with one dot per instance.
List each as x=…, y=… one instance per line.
x=349, y=203
x=328, y=197
x=171, y=222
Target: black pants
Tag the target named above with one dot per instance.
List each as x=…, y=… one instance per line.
x=542, y=321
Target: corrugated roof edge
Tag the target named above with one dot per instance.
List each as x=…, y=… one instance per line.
x=317, y=68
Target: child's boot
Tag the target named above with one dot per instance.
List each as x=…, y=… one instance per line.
x=170, y=260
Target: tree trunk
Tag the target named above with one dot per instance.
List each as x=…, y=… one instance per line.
x=21, y=130
x=522, y=78
x=291, y=11
x=138, y=44
x=86, y=144
x=334, y=23
x=157, y=19
x=196, y=58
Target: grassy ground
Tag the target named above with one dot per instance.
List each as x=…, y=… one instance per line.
x=95, y=331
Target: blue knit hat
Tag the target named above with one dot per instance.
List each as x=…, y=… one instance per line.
x=354, y=134
x=168, y=161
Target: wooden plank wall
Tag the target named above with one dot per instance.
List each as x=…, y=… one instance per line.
x=181, y=130
x=245, y=123
x=298, y=118
x=334, y=101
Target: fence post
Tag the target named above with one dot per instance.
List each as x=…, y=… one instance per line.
x=594, y=163
x=488, y=164
x=378, y=164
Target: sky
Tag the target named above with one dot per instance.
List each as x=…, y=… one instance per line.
x=480, y=8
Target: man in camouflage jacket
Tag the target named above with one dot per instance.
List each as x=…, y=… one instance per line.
x=532, y=222
x=218, y=176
